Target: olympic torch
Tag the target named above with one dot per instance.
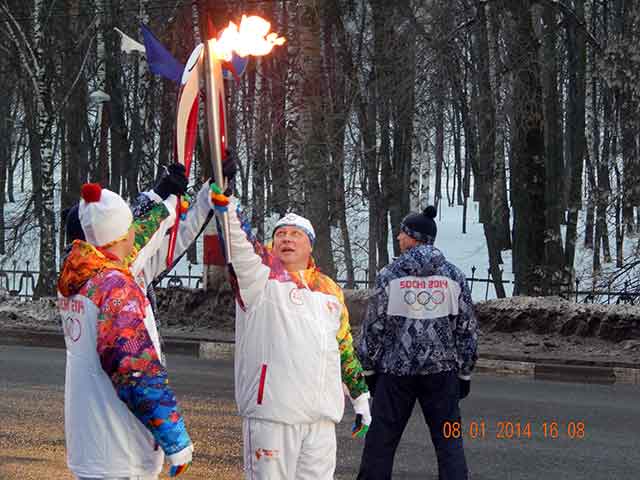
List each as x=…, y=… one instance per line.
x=216, y=126
x=252, y=37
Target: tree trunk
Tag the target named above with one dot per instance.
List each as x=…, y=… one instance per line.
x=279, y=79
x=484, y=171
x=595, y=153
x=527, y=156
x=554, y=255
x=41, y=151
x=403, y=119
x=618, y=221
x=576, y=140
x=5, y=145
x=367, y=113
x=628, y=113
x=604, y=181
x=501, y=210
x=342, y=98
x=457, y=147
x=383, y=35
x=258, y=158
x=120, y=139
x=313, y=135
x=75, y=116
x=102, y=175
x=439, y=150
x=167, y=124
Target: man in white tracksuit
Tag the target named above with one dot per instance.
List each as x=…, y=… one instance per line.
x=293, y=354
x=120, y=413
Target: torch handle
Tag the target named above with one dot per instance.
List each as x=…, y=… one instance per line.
x=216, y=127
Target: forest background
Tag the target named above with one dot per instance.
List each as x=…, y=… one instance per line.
x=371, y=109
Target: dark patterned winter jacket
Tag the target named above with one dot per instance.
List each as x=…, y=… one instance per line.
x=420, y=318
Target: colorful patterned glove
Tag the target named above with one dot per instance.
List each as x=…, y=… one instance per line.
x=181, y=461
x=363, y=416
x=218, y=199
x=179, y=469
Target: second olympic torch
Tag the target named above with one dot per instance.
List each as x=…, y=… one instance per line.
x=216, y=127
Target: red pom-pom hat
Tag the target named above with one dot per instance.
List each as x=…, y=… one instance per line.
x=91, y=192
x=104, y=215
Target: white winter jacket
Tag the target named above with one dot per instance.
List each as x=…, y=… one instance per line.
x=291, y=328
x=103, y=436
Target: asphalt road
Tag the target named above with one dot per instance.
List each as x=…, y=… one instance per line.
x=605, y=428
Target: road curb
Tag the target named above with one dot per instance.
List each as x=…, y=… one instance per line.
x=563, y=370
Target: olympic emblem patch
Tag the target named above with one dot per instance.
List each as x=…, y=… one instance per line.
x=72, y=328
x=295, y=295
x=429, y=300
x=423, y=297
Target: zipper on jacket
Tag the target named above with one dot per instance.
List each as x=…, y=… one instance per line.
x=302, y=279
x=263, y=376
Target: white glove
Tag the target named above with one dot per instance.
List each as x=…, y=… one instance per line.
x=363, y=416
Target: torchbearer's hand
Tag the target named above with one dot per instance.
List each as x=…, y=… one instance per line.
x=174, y=182
x=181, y=461
x=219, y=201
x=229, y=170
x=363, y=416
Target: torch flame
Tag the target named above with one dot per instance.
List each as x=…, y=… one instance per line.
x=252, y=38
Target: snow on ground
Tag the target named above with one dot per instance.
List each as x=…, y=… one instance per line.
x=469, y=250
x=464, y=250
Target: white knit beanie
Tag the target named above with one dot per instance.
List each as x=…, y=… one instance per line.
x=293, y=220
x=103, y=214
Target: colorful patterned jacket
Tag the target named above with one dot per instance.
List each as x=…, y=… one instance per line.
x=420, y=318
x=119, y=407
x=294, y=349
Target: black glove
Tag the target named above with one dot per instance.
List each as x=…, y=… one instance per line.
x=229, y=170
x=465, y=387
x=371, y=380
x=173, y=183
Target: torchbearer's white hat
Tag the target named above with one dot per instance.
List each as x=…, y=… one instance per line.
x=103, y=214
x=293, y=220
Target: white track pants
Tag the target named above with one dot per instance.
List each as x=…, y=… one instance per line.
x=277, y=451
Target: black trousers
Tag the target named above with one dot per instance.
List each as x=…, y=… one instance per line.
x=393, y=403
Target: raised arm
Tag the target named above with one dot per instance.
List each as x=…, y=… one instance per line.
x=152, y=219
x=154, y=264
x=251, y=261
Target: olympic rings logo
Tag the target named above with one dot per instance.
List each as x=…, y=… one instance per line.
x=424, y=299
x=72, y=328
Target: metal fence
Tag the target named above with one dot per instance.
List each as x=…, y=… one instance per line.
x=21, y=283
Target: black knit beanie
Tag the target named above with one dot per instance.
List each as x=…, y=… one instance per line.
x=73, y=229
x=421, y=226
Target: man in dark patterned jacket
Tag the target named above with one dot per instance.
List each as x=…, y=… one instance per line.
x=418, y=342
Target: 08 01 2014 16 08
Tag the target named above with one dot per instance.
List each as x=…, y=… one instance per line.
x=515, y=430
